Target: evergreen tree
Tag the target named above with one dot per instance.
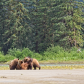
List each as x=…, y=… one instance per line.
x=3, y=24
x=66, y=19
x=39, y=20
x=39, y=24
x=57, y=22
x=1, y=19
x=17, y=25
x=75, y=24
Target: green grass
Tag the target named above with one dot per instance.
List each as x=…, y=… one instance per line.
x=4, y=68
x=52, y=67
x=51, y=55
x=64, y=67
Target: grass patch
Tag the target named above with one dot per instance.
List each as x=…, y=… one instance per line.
x=52, y=67
x=51, y=55
x=4, y=68
x=63, y=67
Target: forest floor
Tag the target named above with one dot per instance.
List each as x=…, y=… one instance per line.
x=57, y=76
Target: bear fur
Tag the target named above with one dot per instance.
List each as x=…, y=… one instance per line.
x=21, y=65
x=13, y=64
x=34, y=63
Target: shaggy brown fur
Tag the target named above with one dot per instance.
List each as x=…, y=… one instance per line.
x=34, y=63
x=13, y=64
x=21, y=65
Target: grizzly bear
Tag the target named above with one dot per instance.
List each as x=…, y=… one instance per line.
x=19, y=64
x=34, y=63
x=13, y=64
x=22, y=66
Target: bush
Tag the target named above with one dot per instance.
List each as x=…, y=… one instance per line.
x=26, y=52
x=23, y=53
x=53, y=53
x=58, y=53
x=37, y=56
x=15, y=52
x=5, y=58
x=56, y=49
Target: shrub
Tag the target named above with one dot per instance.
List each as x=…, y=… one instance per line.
x=37, y=56
x=56, y=49
x=5, y=58
x=54, y=52
x=15, y=52
x=24, y=53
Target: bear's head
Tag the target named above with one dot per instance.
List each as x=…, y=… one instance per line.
x=26, y=59
x=22, y=65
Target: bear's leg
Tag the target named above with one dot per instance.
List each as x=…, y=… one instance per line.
x=31, y=67
x=34, y=67
x=39, y=67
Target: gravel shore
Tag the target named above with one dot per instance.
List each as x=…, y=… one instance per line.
x=74, y=76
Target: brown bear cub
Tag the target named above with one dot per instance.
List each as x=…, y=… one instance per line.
x=18, y=65
x=13, y=64
x=34, y=63
x=22, y=66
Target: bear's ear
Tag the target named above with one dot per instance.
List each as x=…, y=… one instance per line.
x=31, y=59
x=21, y=62
x=28, y=57
x=26, y=60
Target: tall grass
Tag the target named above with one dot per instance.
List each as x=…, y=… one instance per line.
x=24, y=53
x=56, y=53
x=5, y=58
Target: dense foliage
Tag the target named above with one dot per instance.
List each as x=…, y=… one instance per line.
x=40, y=24
x=52, y=54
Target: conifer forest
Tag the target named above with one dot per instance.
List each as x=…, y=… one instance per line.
x=40, y=24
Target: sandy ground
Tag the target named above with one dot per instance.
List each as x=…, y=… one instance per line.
x=75, y=76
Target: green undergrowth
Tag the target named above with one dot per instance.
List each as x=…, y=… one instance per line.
x=51, y=55
x=5, y=58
